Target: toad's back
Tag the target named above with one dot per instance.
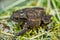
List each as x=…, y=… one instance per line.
x=34, y=16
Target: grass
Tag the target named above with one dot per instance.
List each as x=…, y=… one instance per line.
x=51, y=7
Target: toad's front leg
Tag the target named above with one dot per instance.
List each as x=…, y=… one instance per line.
x=25, y=28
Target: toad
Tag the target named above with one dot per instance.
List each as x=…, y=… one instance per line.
x=30, y=18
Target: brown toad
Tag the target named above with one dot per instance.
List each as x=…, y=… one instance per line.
x=30, y=18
